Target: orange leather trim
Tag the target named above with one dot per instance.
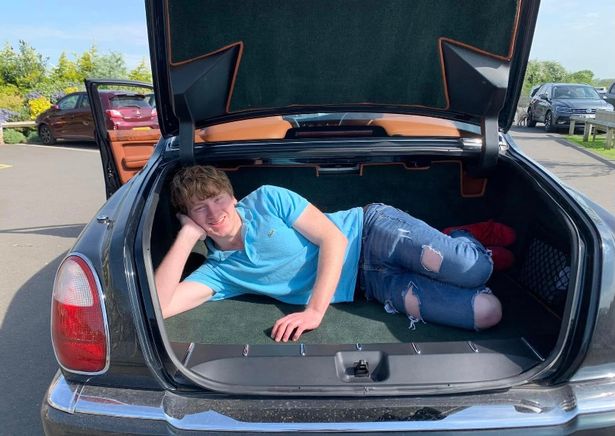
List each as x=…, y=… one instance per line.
x=472, y=187
x=131, y=149
x=134, y=135
x=415, y=125
x=258, y=128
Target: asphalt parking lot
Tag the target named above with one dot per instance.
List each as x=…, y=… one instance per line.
x=581, y=169
x=48, y=194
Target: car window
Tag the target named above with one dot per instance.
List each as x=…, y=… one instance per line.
x=612, y=89
x=575, y=92
x=68, y=102
x=84, y=102
x=119, y=101
x=535, y=90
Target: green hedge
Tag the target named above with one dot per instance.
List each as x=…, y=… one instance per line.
x=12, y=136
x=33, y=138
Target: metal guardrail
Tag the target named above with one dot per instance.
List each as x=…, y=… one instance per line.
x=605, y=121
x=14, y=124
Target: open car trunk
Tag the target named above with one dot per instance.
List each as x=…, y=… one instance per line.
x=360, y=348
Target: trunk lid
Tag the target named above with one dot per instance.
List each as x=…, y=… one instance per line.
x=217, y=61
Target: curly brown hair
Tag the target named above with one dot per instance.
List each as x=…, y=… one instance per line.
x=198, y=182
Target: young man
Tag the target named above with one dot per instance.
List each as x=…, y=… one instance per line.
x=273, y=242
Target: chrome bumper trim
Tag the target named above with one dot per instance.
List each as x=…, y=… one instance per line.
x=517, y=408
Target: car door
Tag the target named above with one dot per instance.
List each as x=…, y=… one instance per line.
x=82, y=118
x=123, y=151
x=543, y=102
x=61, y=121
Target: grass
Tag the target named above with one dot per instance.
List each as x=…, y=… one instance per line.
x=597, y=146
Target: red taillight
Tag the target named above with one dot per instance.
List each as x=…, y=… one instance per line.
x=78, y=330
x=114, y=113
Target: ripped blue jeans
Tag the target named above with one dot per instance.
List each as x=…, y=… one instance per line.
x=403, y=254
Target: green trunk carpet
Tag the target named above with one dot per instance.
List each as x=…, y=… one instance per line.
x=248, y=320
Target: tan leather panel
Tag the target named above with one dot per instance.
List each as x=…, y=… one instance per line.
x=415, y=125
x=131, y=149
x=258, y=128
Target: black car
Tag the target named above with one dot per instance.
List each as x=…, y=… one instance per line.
x=405, y=103
x=554, y=103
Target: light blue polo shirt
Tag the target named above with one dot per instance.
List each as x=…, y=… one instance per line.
x=277, y=260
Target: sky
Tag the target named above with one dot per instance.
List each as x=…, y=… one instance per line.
x=577, y=34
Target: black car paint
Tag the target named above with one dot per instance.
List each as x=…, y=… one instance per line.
x=103, y=241
x=134, y=328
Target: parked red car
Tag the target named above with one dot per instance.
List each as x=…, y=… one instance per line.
x=71, y=118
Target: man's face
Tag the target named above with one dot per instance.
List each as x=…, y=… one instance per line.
x=217, y=215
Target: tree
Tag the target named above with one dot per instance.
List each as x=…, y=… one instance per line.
x=141, y=72
x=110, y=66
x=554, y=72
x=85, y=63
x=24, y=68
x=538, y=72
x=583, y=76
x=66, y=72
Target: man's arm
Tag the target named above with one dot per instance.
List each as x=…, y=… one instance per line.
x=176, y=297
x=321, y=231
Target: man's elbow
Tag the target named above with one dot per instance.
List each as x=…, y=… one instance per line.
x=165, y=310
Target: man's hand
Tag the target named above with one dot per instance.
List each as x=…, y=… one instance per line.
x=191, y=226
x=297, y=322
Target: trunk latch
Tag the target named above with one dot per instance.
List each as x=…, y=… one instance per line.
x=361, y=368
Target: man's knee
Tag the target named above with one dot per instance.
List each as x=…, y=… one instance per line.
x=412, y=304
x=487, y=311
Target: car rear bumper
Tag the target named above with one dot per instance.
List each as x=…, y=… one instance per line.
x=71, y=408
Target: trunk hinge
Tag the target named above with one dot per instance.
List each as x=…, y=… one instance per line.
x=491, y=142
x=476, y=84
x=201, y=89
x=186, y=142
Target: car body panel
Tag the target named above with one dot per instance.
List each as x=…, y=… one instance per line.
x=83, y=123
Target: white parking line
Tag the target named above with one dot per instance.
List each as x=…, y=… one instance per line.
x=55, y=147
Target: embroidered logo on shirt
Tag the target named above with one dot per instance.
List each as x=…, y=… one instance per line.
x=271, y=232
